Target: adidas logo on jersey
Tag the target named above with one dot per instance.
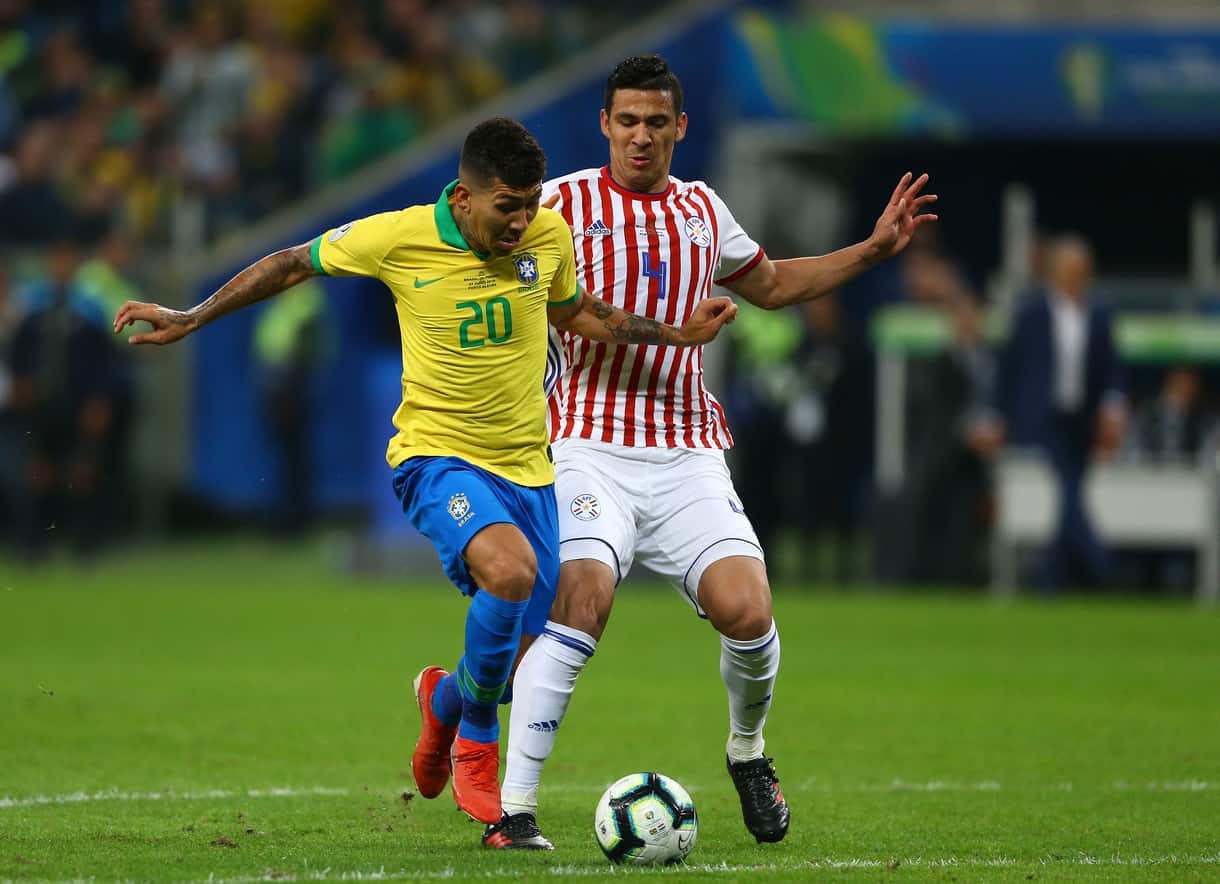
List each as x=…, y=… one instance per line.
x=597, y=228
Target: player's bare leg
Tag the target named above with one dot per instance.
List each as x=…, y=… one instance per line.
x=735, y=595
x=542, y=687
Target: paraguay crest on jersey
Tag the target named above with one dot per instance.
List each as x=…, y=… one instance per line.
x=697, y=231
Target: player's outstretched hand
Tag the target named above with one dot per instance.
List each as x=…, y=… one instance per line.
x=903, y=215
x=709, y=317
x=168, y=325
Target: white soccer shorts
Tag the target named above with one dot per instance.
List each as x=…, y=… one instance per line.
x=674, y=510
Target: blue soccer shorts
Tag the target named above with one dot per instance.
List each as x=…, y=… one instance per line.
x=450, y=501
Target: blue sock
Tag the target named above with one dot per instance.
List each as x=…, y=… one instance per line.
x=447, y=702
x=493, y=632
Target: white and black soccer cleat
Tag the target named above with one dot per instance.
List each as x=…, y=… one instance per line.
x=516, y=831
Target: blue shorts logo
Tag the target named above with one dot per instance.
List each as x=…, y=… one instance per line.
x=527, y=269
x=459, y=508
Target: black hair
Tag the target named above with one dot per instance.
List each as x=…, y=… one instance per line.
x=646, y=72
x=504, y=149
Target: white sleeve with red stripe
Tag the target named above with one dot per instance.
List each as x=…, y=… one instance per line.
x=738, y=253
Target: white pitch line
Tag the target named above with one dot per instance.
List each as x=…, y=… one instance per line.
x=810, y=785
x=822, y=864
x=813, y=784
x=1168, y=786
x=169, y=795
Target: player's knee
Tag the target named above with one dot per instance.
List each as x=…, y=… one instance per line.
x=585, y=597
x=742, y=620
x=511, y=575
x=752, y=624
x=590, y=614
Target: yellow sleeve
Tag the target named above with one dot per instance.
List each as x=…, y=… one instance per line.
x=357, y=248
x=563, y=283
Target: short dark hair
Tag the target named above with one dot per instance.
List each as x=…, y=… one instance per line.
x=644, y=72
x=504, y=149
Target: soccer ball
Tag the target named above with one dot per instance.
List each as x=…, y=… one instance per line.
x=646, y=819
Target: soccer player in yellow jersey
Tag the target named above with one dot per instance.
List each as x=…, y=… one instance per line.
x=475, y=279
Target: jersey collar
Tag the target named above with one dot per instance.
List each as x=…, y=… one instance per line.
x=634, y=194
x=447, y=227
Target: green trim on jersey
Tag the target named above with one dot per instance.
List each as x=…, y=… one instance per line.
x=447, y=227
x=566, y=301
x=314, y=247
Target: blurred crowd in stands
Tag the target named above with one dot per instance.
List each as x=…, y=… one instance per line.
x=125, y=112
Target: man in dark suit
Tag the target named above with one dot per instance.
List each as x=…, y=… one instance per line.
x=948, y=487
x=1060, y=390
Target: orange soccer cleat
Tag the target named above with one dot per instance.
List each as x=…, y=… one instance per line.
x=430, y=762
x=476, y=779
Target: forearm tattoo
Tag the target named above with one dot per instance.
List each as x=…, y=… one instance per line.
x=630, y=328
x=262, y=279
x=176, y=317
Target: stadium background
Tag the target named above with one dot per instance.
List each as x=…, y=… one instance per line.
x=157, y=147
x=201, y=138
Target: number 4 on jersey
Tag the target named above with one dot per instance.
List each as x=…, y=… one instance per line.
x=655, y=271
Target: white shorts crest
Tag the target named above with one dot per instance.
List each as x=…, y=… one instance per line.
x=585, y=507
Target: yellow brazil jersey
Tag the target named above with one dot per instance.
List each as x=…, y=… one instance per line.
x=474, y=332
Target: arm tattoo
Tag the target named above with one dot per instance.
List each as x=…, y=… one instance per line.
x=174, y=317
x=262, y=279
x=628, y=327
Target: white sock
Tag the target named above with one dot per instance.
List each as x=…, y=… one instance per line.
x=542, y=689
x=748, y=669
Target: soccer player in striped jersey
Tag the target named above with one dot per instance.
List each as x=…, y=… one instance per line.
x=639, y=441
x=475, y=279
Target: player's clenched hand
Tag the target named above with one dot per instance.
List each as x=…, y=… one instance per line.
x=707, y=320
x=168, y=325
x=902, y=216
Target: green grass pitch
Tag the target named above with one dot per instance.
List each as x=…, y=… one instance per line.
x=243, y=712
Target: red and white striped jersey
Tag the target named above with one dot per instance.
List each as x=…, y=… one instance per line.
x=656, y=255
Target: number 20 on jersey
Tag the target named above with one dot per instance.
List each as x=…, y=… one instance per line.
x=489, y=323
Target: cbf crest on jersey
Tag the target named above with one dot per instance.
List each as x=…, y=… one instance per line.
x=527, y=269
x=697, y=231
